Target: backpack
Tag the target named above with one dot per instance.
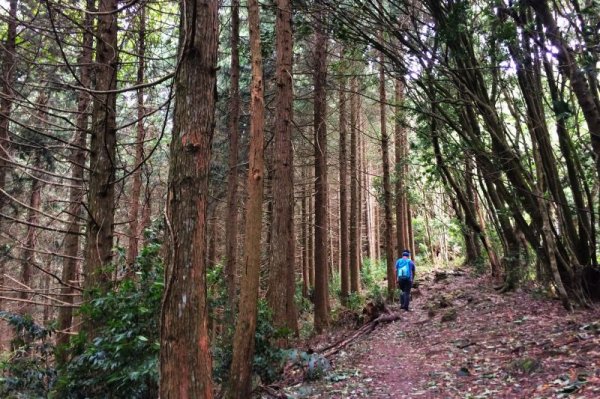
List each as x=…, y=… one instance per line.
x=403, y=268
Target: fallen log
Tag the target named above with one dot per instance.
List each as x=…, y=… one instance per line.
x=364, y=330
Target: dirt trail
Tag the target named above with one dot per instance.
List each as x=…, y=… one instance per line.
x=463, y=340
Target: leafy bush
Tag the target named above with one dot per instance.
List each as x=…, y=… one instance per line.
x=121, y=360
x=377, y=295
x=355, y=301
x=268, y=359
x=27, y=372
x=303, y=304
x=372, y=272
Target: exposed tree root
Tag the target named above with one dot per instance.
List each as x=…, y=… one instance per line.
x=364, y=330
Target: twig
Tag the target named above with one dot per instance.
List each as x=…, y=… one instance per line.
x=7, y=298
x=364, y=330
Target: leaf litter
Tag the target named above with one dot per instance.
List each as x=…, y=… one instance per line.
x=512, y=345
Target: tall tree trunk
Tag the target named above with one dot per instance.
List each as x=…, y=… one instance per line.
x=311, y=233
x=6, y=93
x=587, y=241
x=28, y=257
x=76, y=193
x=472, y=246
x=569, y=67
x=231, y=227
x=377, y=237
x=344, y=242
x=365, y=195
x=280, y=294
x=136, y=185
x=354, y=191
x=387, y=192
x=400, y=155
x=243, y=341
x=304, y=236
x=320, y=145
x=101, y=193
x=35, y=200
x=185, y=360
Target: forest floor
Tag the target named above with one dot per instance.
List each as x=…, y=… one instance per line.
x=462, y=339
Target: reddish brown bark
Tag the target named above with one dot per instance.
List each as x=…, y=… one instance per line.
x=35, y=199
x=243, y=341
x=101, y=194
x=354, y=190
x=311, y=233
x=344, y=239
x=231, y=227
x=77, y=160
x=320, y=145
x=185, y=360
x=387, y=192
x=28, y=257
x=365, y=195
x=403, y=214
x=280, y=294
x=136, y=185
x=6, y=82
x=304, y=236
x=399, y=134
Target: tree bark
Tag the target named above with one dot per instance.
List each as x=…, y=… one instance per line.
x=76, y=193
x=344, y=241
x=320, y=146
x=304, y=236
x=185, y=359
x=400, y=155
x=365, y=195
x=30, y=238
x=243, y=341
x=311, y=234
x=472, y=246
x=280, y=294
x=8, y=64
x=387, y=192
x=101, y=193
x=231, y=227
x=354, y=187
x=568, y=67
x=136, y=185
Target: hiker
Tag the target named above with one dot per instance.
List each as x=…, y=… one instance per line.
x=405, y=273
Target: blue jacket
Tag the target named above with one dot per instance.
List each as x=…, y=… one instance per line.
x=411, y=267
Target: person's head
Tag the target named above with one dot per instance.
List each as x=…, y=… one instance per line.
x=406, y=253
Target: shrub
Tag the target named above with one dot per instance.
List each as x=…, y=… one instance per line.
x=27, y=371
x=268, y=358
x=355, y=301
x=122, y=358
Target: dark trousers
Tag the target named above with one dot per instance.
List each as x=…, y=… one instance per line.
x=405, y=286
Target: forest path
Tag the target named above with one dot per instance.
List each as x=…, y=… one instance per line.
x=464, y=340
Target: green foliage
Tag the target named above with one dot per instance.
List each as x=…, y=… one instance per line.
x=27, y=372
x=302, y=304
x=268, y=359
x=335, y=285
x=354, y=301
x=372, y=272
x=122, y=358
x=377, y=295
